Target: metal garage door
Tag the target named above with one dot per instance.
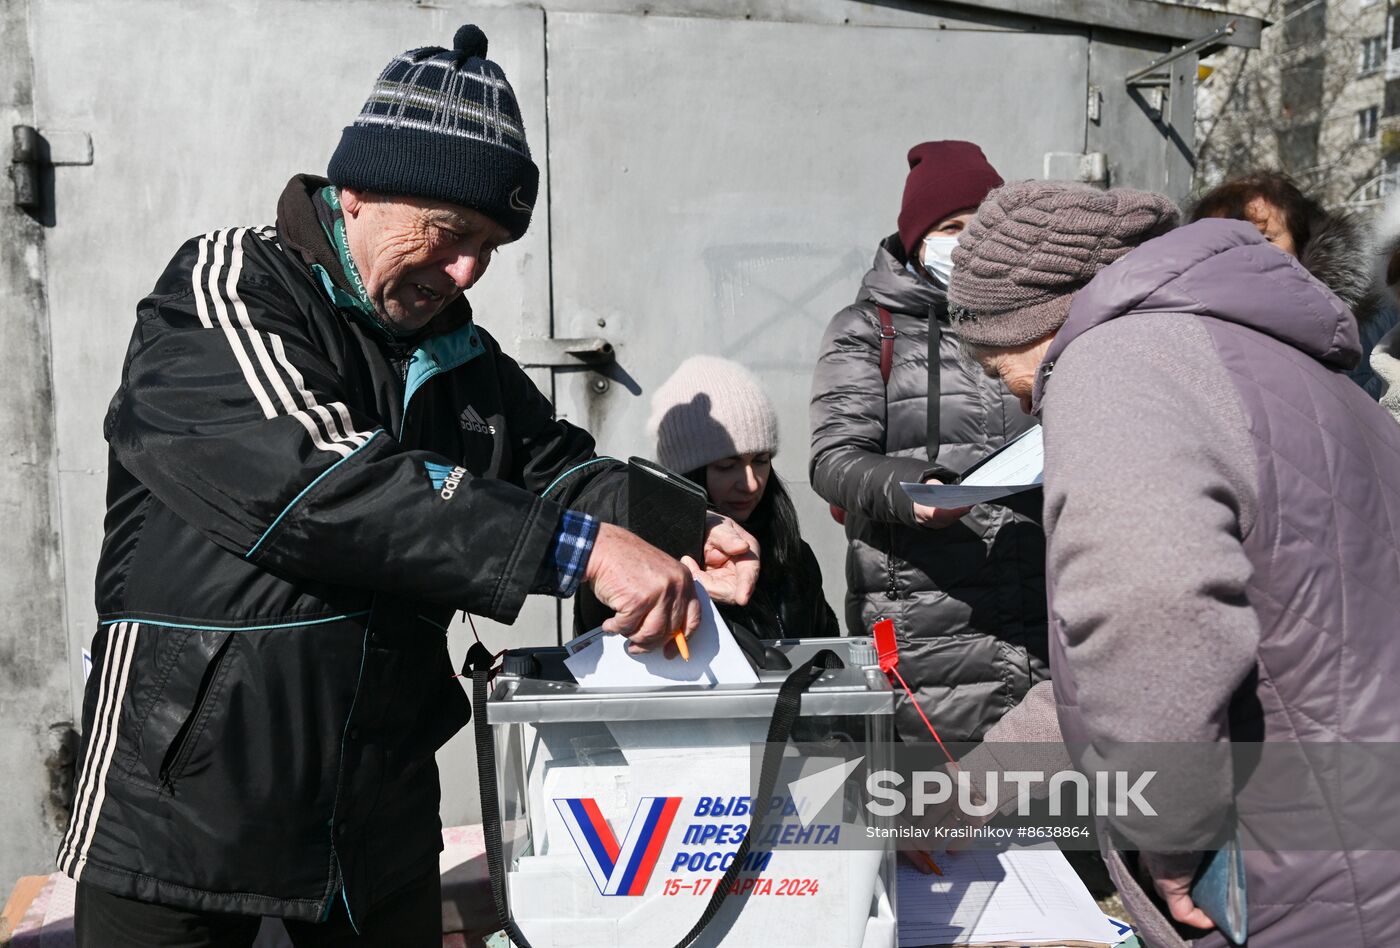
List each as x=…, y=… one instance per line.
x=719, y=186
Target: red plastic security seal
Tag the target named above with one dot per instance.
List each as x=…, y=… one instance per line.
x=888, y=651
x=886, y=647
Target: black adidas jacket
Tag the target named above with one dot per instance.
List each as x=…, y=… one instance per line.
x=295, y=509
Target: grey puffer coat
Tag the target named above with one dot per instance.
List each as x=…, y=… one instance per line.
x=968, y=601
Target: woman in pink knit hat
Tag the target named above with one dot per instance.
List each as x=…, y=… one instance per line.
x=713, y=423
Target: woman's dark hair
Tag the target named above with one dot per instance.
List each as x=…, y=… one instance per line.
x=1302, y=215
x=774, y=524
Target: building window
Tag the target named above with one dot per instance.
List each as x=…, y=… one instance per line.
x=1304, y=21
x=1302, y=88
x=1394, y=30
x=1372, y=54
x=1243, y=98
x=1297, y=148
x=1390, y=170
x=1367, y=123
x=1392, y=98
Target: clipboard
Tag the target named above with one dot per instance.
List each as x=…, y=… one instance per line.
x=1014, y=468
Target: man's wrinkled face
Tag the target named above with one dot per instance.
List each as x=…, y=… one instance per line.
x=416, y=255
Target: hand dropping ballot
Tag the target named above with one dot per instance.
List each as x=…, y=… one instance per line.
x=601, y=660
x=1018, y=466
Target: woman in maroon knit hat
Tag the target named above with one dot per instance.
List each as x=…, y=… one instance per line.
x=965, y=588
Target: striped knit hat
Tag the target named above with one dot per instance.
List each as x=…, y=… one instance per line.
x=443, y=124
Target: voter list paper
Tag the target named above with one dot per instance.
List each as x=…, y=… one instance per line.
x=1020, y=897
x=600, y=660
x=1018, y=466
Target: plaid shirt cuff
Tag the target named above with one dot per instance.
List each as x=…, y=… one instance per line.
x=573, y=542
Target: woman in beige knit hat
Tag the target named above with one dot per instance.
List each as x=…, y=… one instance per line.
x=713, y=423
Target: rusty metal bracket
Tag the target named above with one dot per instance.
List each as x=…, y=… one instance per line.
x=1152, y=76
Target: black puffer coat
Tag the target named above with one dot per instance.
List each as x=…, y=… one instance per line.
x=968, y=601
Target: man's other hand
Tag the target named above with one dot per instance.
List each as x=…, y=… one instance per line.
x=731, y=561
x=936, y=518
x=650, y=592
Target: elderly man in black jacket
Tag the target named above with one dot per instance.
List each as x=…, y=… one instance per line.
x=317, y=457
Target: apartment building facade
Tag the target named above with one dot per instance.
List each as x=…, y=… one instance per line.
x=1320, y=99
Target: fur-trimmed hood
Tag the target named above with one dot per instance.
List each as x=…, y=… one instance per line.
x=1339, y=254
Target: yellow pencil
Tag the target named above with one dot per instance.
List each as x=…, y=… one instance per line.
x=928, y=861
x=682, y=645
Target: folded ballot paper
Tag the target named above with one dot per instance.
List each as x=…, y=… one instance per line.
x=600, y=660
x=1019, y=465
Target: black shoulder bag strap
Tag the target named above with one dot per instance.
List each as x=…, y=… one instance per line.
x=779, y=728
x=887, y=338
x=479, y=659
x=935, y=369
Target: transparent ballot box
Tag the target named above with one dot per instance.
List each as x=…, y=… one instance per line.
x=622, y=809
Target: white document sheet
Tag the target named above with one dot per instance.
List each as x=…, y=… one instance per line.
x=1019, y=897
x=600, y=660
x=1019, y=465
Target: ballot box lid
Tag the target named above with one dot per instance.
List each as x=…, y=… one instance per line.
x=549, y=694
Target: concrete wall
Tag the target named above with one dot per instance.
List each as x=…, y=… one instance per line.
x=36, y=738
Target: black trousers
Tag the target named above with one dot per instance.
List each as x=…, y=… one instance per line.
x=410, y=919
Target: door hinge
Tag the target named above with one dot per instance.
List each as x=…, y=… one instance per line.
x=537, y=353
x=35, y=150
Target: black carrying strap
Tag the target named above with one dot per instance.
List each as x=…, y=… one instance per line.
x=785, y=712
x=479, y=659
x=779, y=727
x=935, y=369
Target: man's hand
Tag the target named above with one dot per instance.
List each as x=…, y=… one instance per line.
x=650, y=592
x=936, y=518
x=1171, y=877
x=731, y=561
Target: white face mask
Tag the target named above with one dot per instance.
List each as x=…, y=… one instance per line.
x=938, y=256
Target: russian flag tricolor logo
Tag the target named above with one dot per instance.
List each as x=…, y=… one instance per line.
x=619, y=869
